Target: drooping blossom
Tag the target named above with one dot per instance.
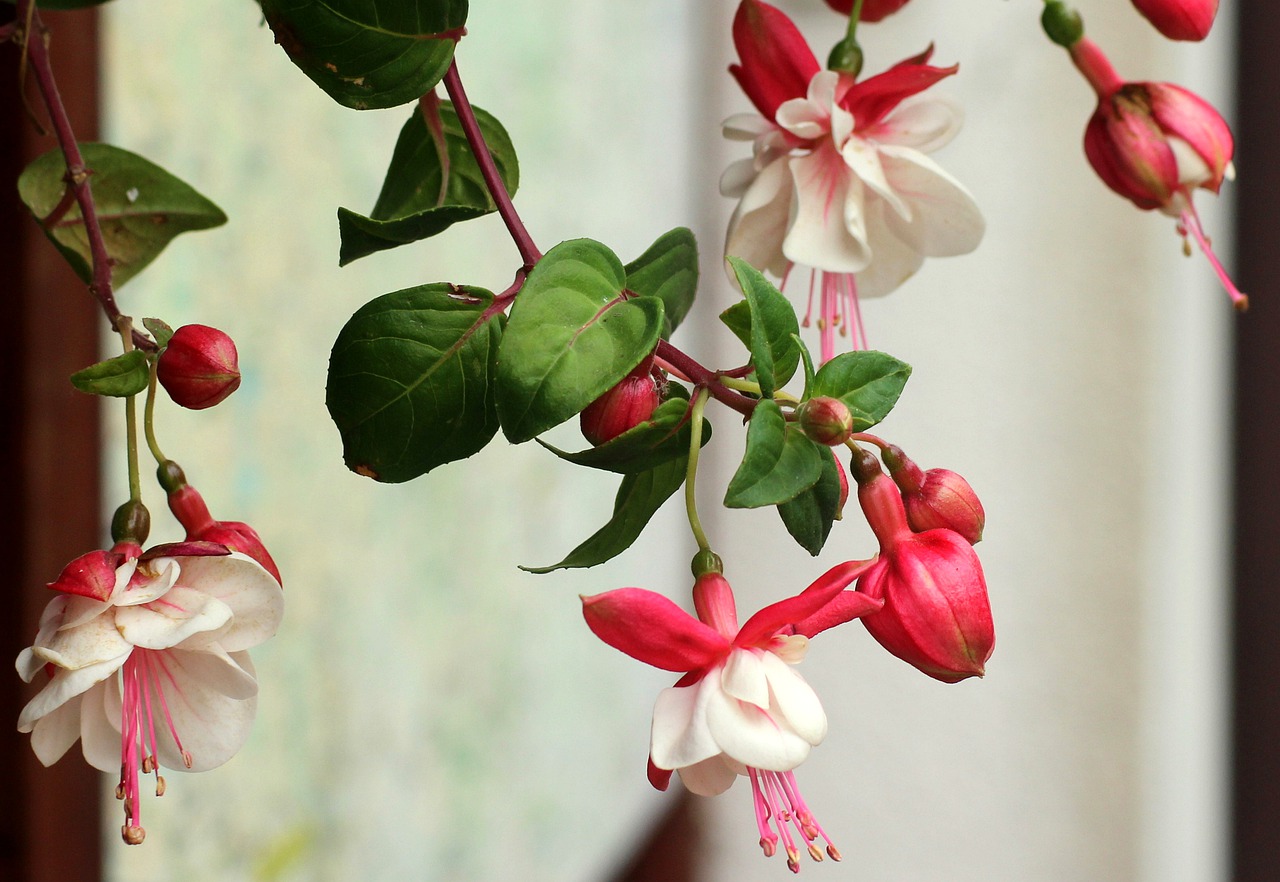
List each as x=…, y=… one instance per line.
x=936, y=615
x=1180, y=19
x=189, y=507
x=624, y=406
x=147, y=662
x=739, y=708
x=839, y=180
x=1155, y=144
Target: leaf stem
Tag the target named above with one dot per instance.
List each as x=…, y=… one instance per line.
x=695, y=448
x=529, y=252
x=34, y=40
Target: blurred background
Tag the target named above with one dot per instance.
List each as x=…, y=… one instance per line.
x=429, y=711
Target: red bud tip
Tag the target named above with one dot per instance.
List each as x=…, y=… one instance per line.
x=199, y=367
x=1180, y=19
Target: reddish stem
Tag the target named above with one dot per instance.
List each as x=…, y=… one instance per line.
x=77, y=174
x=703, y=376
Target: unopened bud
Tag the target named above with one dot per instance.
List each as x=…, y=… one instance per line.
x=625, y=406
x=131, y=523
x=1061, y=23
x=199, y=367
x=872, y=10
x=1180, y=19
x=937, y=498
x=825, y=420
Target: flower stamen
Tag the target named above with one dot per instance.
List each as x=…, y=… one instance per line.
x=779, y=806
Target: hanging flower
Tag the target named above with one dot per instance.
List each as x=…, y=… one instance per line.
x=147, y=663
x=739, y=709
x=1155, y=144
x=839, y=180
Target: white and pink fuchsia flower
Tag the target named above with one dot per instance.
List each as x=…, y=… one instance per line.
x=740, y=708
x=839, y=180
x=147, y=664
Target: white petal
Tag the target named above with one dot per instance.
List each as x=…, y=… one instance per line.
x=746, y=127
x=64, y=686
x=760, y=222
x=155, y=578
x=737, y=178
x=826, y=230
x=744, y=677
x=711, y=777
x=75, y=611
x=752, y=736
x=99, y=728
x=171, y=619
x=863, y=160
x=893, y=261
x=680, y=736
x=255, y=598
x=211, y=724
x=945, y=220
x=801, y=118
x=96, y=641
x=926, y=124
x=54, y=733
x=795, y=700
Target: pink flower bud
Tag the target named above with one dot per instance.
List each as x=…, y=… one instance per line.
x=936, y=615
x=623, y=407
x=825, y=420
x=199, y=367
x=1180, y=19
x=188, y=506
x=936, y=499
x=872, y=10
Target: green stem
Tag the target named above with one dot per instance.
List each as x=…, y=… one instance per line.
x=690, y=480
x=125, y=328
x=854, y=15
x=148, y=418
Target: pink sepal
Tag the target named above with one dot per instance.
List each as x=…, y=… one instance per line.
x=242, y=538
x=651, y=628
x=844, y=607
x=875, y=97
x=777, y=63
x=1180, y=19
x=659, y=778
x=186, y=549
x=1188, y=116
x=1129, y=153
x=90, y=575
x=776, y=616
x=872, y=10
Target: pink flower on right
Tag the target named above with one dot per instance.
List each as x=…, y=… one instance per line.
x=1154, y=144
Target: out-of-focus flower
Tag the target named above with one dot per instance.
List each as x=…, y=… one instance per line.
x=1155, y=144
x=147, y=664
x=872, y=10
x=739, y=709
x=839, y=180
x=199, y=367
x=1180, y=19
x=936, y=614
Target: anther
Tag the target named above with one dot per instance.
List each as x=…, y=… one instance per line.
x=160, y=785
x=815, y=852
x=769, y=847
x=186, y=759
x=148, y=765
x=120, y=790
x=132, y=835
x=834, y=852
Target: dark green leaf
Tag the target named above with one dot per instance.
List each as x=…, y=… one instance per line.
x=369, y=53
x=779, y=464
x=668, y=270
x=160, y=331
x=638, y=498
x=117, y=377
x=737, y=318
x=773, y=328
x=571, y=337
x=663, y=437
x=809, y=516
x=410, y=380
x=869, y=384
x=141, y=207
x=432, y=183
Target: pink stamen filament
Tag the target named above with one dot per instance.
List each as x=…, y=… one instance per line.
x=1190, y=222
x=778, y=804
x=143, y=671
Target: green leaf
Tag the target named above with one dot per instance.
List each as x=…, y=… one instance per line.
x=573, y=335
x=160, y=331
x=665, y=436
x=773, y=328
x=141, y=207
x=410, y=380
x=668, y=270
x=432, y=183
x=117, y=377
x=808, y=517
x=780, y=462
x=737, y=318
x=869, y=384
x=369, y=53
x=638, y=498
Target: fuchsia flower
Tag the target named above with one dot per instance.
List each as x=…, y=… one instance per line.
x=936, y=615
x=1154, y=144
x=1179, y=19
x=839, y=180
x=175, y=624
x=189, y=507
x=739, y=709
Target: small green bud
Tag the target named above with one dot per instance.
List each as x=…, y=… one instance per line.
x=171, y=477
x=706, y=562
x=1062, y=23
x=131, y=523
x=846, y=57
